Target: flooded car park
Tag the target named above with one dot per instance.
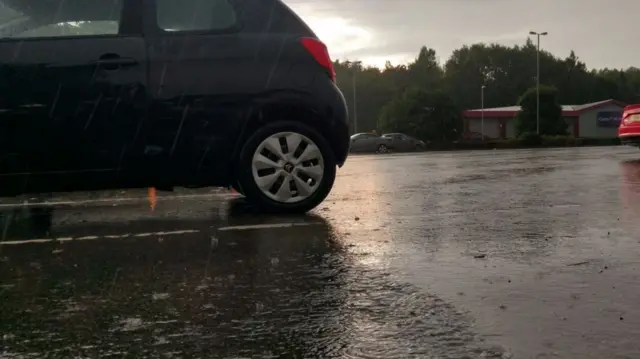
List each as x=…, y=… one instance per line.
x=494, y=254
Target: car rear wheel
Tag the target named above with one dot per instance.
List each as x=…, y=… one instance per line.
x=286, y=167
x=382, y=149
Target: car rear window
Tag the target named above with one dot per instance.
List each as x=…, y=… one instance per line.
x=195, y=15
x=40, y=19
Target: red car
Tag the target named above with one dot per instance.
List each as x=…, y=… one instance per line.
x=629, y=130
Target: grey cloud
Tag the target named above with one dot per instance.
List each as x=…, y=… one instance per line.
x=601, y=32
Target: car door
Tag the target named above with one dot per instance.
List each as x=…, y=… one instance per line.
x=368, y=142
x=387, y=140
x=73, y=92
x=356, y=143
x=395, y=142
x=406, y=143
x=197, y=62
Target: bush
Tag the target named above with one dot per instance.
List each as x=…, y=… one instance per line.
x=600, y=141
x=526, y=140
x=530, y=139
x=560, y=141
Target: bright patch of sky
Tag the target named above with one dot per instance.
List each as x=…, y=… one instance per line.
x=601, y=32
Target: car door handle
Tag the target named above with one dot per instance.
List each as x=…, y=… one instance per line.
x=114, y=61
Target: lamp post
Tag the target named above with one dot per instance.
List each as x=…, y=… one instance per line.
x=482, y=111
x=355, y=67
x=538, y=34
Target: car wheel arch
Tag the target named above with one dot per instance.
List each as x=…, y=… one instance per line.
x=259, y=116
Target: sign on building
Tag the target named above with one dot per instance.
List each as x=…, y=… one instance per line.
x=609, y=118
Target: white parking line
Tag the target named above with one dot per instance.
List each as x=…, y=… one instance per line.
x=165, y=233
x=87, y=238
x=268, y=226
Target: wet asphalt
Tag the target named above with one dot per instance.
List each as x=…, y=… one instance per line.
x=485, y=254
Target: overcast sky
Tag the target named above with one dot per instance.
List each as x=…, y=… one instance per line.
x=600, y=31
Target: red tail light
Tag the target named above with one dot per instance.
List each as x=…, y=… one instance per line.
x=631, y=109
x=631, y=114
x=319, y=52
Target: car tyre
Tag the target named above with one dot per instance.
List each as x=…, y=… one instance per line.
x=264, y=178
x=382, y=149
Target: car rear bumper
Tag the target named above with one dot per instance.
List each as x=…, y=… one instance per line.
x=339, y=130
x=341, y=143
x=628, y=131
x=629, y=134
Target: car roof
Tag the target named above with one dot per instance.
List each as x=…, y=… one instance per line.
x=364, y=134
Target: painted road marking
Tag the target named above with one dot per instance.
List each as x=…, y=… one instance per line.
x=164, y=233
x=87, y=238
x=268, y=226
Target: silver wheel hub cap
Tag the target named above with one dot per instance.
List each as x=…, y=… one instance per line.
x=287, y=167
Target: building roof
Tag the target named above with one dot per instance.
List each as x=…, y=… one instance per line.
x=512, y=111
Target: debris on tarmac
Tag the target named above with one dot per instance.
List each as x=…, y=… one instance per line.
x=577, y=264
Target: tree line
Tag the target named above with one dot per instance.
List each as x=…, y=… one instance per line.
x=425, y=99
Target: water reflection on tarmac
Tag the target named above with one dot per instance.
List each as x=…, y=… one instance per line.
x=488, y=254
x=205, y=285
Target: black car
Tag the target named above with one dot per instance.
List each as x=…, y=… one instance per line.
x=103, y=94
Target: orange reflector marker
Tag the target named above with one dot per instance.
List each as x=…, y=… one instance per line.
x=153, y=199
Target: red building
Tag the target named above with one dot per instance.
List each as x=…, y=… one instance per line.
x=594, y=120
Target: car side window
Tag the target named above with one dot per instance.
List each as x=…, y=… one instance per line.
x=47, y=19
x=361, y=136
x=195, y=15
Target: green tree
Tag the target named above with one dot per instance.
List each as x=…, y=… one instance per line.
x=506, y=71
x=425, y=71
x=371, y=92
x=551, y=120
x=427, y=115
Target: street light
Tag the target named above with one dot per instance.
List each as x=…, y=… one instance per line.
x=482, y=111
x=353, y=85
x=538, y=34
